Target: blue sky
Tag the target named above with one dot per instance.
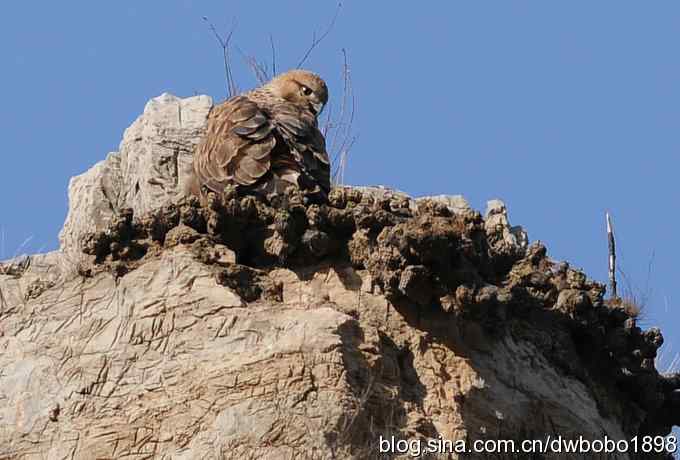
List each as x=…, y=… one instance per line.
x=563, y=110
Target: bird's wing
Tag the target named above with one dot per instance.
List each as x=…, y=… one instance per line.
x=237, y=146
x=299, y=129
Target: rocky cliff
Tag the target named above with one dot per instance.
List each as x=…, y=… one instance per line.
x=245, y=329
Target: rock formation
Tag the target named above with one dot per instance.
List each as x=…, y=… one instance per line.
x=245, y=329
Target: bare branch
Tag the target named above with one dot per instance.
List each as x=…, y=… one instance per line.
x=339, y=176
x=329, y=115
x=315, y=41
x=271, y=42
x=343, y=126
x=259, y=70
x=224, y=44
x=347, y=93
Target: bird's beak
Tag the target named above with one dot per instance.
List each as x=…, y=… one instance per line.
x=318, y=107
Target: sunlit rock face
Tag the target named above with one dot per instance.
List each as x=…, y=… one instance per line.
x=250, y=328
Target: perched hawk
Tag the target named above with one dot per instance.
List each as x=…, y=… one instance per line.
x=266, y=140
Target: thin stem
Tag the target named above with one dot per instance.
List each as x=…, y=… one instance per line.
x=224, y=44
x=316, y=41
x=271, y=42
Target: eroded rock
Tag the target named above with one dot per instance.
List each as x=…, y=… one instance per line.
x=269, y=328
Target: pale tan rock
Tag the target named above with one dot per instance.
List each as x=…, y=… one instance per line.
x=149, y=170
x=166, y=363
x=497, y=222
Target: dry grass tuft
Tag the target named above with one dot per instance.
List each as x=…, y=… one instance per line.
x=629, y=305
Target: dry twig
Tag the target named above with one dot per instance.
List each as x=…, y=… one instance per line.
x=343, y=137
x=316, y=40
x=224, y=43
x=259, y=69
x=271, y=42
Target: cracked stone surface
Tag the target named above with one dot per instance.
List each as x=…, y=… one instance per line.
x=149, y=169
x=164, y=330
x=166, y=363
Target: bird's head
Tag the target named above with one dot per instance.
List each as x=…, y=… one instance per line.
x=301, y=87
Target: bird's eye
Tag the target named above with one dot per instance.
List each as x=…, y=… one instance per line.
x=306, y=91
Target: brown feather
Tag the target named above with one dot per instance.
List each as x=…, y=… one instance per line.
x=254, y=168
x=259, y=150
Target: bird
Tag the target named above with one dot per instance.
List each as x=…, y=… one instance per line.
x=266, y=140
